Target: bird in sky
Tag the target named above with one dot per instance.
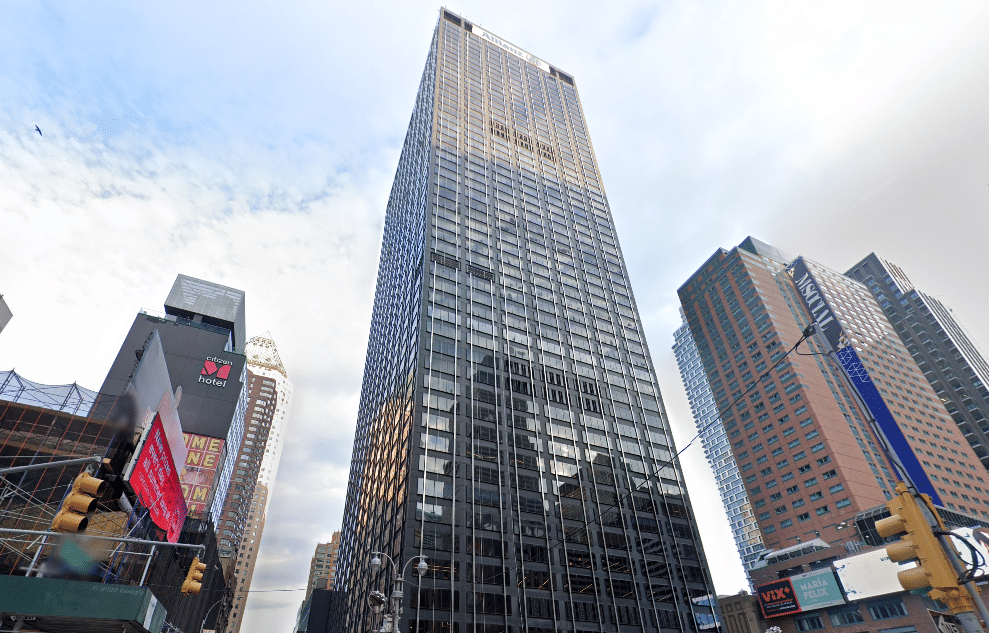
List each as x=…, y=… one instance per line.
x=39, y=130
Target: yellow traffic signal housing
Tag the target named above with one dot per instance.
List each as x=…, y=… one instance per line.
x=934, y=568
x=73, y=516
x=193, y=579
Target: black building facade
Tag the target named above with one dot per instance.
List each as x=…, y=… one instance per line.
x=208, y=402
x=510, y=426
x=199, y=353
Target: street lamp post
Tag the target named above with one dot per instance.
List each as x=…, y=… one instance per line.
x=210, y=610
x=391, y=619
x=202, y=627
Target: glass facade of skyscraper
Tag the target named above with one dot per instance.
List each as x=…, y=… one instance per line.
x=510, y=426
x=717, y=450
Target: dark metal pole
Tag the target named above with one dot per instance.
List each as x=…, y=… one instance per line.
x=95, y=459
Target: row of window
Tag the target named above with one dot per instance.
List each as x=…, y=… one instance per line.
x=885, y=609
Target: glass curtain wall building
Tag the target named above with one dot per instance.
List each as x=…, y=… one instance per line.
x=717, y=450
x=510, y=425
x=944, y=352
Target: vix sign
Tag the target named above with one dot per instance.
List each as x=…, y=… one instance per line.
x=215, y=372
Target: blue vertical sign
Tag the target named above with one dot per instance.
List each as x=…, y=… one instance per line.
x=820, y=311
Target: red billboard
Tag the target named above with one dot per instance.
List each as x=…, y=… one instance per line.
x=156, y=482
x=777, y=598
x=204, y=457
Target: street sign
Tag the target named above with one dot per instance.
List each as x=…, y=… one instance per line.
x=945, y=622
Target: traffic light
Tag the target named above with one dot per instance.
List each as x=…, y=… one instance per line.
x=73, y=516
x=934, y=568
x=193, y=579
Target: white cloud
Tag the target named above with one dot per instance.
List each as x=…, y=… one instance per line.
x=254, y=144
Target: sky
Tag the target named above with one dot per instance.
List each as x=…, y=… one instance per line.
x=253, y=144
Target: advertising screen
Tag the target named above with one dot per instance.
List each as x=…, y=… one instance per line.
x=149, y=391
x=204, y=458
x=777, y=598
x=870, y=574
x=156, y=482
x=977, y=538
x=172, y=427
x=817, y=589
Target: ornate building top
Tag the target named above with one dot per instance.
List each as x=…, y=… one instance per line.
x=261, y=352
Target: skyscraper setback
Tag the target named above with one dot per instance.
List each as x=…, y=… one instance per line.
x=510, y=426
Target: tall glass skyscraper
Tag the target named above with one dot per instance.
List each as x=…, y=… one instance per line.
x=245, y=511
x=510, y=426
x=717, y=450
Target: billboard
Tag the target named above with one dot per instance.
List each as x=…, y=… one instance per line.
x=156, y=482
x=870, y=574
x=149, y=391
x=777, y=598
x=803, y=592
x=822, y=314
x=817, y=589
x=198, y=476
x=977, y=538
x=172, y=427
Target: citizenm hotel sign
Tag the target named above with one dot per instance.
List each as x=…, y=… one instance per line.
x=215, y=371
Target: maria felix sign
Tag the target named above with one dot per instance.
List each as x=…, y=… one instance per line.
x=817, y=589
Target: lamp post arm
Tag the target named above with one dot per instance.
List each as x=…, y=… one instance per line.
x=406, y=566
x=208, y=611
x=390, y=561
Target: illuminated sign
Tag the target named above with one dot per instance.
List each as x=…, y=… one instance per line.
x=172, y=426
x=156, y=482
x=817, y=589
x=870, y=574
x=977, y=538
x=802, y=592
x=204, y=458
x=215, y=371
